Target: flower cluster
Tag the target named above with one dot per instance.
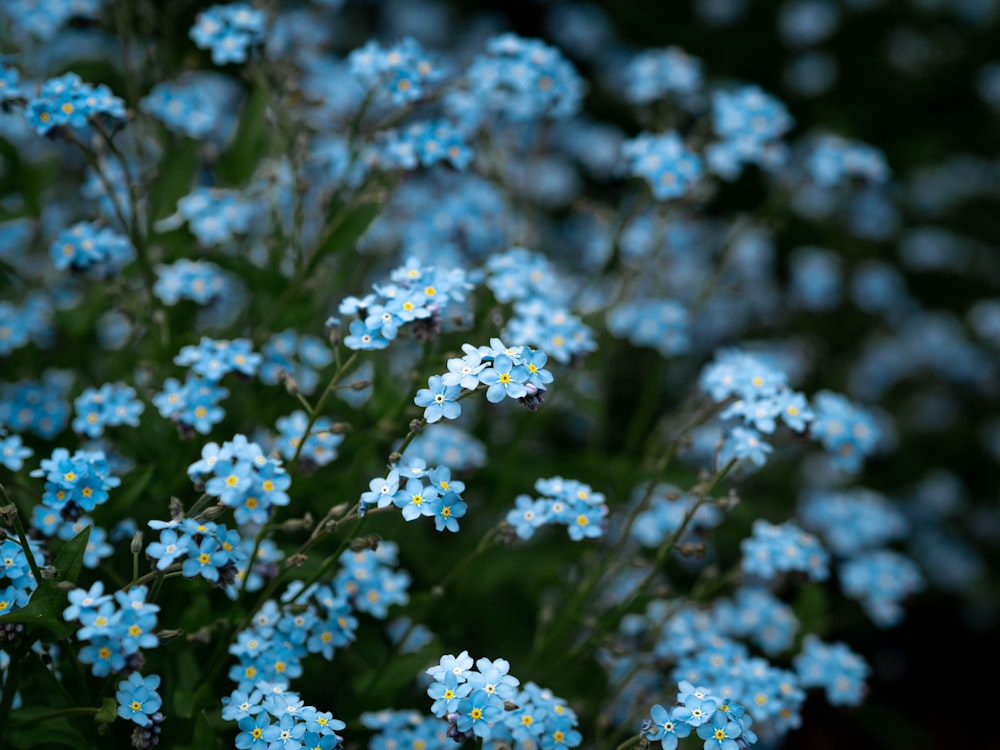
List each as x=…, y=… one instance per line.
x=17, y=582
x=242, y=477
x=424, y=493
x=490, y=703
x=288, y=354
x=201, y=548
x=138, y=700
x=114, y=627
x=669, y=509
x=834, y=160
x=315, y=449
x=758, y=397
x=750, y=125
x=13, y=451
x=67, y=101
x=835, y=668
x=655, y=73
x=565, y=502
x=506, y=371
x=721, y=723
x=90, y=246
x=318, y=618
x=37, y=406
x=198, y=104
x=193, y=404
x=215, y=216
x=229, y=31
x=75, y=483
x=774, y=549
x=402, y=73
x=271, y=716
x=417, y=295
x=197, y=280
x=524, y=79
x=848, y=432
x=420, y=144
x=881, y=580
x=110, y=405
x=670, y=168
x=213, y=359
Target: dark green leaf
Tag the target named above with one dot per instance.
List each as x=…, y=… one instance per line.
x=239, y=161
x=132, y=487
x=174, y=177
x=48, y=602
x=108, y=711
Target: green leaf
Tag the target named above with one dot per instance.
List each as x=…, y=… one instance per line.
x=239, y=161
x=56, y=735
x=133, y=486
x=204, y=738
x=69, y=560
x=47, y=726
x=174, y=178
x=349, y=227
x=108, y=711
x=47, y=603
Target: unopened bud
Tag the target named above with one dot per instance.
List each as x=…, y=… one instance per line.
x=340, y=428
x=135, y=546
x=176, y=508
x=49, y=572
x=210, y=514
x=692, y=549
x=395, y=458
x=296, y=560
x=334, y=335
x=360, y=385
x=294, y=525
x=416, y=425
x=166, y=636
x=509, y=705
x=291, y=385
x=366, y=542
x=8, y=513
x=202, y=635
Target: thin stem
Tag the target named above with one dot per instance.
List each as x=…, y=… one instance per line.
x=661, y=556
x=152, y=575
x=22, y=537
x=314, y=414
x=630, y=742
x=570, y=613
x=11, y=683
x=73, y=711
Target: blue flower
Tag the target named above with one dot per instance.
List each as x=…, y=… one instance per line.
x=416, y=499
x=439, y=400
x=721, y=732
x=137, y=698
x=364, y=338
x=252, y=736
x=504, y=379
x=448, y=508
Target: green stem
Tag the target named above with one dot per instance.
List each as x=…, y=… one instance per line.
x=662, y=554
x=74, y=711
x=152, y=575
x=23, y=538
x=199, y=505
x=630, y=742
x=314, y=414
x=570, y=613
x=11, y=682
